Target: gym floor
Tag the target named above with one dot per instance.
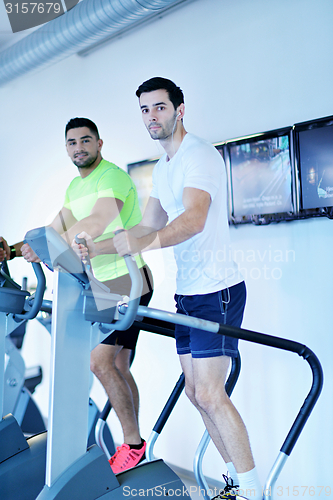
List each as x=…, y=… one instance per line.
x=189, y=480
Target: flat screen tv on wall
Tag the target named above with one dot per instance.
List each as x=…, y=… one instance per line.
x=261, y=177
x=314, y=163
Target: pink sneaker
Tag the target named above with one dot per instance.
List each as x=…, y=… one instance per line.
x=125, y=457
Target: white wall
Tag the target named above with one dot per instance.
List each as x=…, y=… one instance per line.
x=245, y=67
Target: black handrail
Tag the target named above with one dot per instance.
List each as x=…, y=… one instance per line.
x=170, y=404
x=174, y=396
x=303, y=351
x=156, y=326
x=233, y=375
x=163, y=328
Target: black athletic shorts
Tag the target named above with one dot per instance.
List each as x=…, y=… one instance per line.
x=122, y=285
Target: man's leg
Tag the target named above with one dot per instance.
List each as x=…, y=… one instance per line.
x=123, y=362
x=110, y=362
x=209, y=375
x=118, y=383
x=186, y=363
x=204, y=383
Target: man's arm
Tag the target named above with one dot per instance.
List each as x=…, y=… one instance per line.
x=154, y=218
x=191, y=222
x=17, y=249
x=63, y=220
x=102, y=214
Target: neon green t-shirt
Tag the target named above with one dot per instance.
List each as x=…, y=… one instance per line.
x=106, y=180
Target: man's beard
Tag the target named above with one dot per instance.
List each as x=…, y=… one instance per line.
x=165, y=131
x=85, y=163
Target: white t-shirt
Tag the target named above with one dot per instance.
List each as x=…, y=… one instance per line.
x=204, y=263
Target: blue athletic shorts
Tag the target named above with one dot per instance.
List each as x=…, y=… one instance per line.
x=225, y=307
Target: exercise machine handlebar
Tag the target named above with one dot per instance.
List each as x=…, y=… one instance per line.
x=39, y=294
x=130, y=312
x=135, y=294
x=54, y=252
x=52, y=249
x=83, y=242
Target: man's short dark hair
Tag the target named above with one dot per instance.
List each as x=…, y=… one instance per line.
x=82, y=122
x=176, y=95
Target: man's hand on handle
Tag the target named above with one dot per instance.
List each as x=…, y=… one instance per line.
x=84, y=251
x=5, y=251
x=28, y=254
x=125, y=243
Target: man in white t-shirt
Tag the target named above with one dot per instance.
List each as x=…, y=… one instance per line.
x=187, y=209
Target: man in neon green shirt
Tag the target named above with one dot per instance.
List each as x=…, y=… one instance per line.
x=101, y=198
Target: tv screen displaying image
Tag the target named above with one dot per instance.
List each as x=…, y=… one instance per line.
x=141, y=173
x=314, y=153
x=261, y=174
